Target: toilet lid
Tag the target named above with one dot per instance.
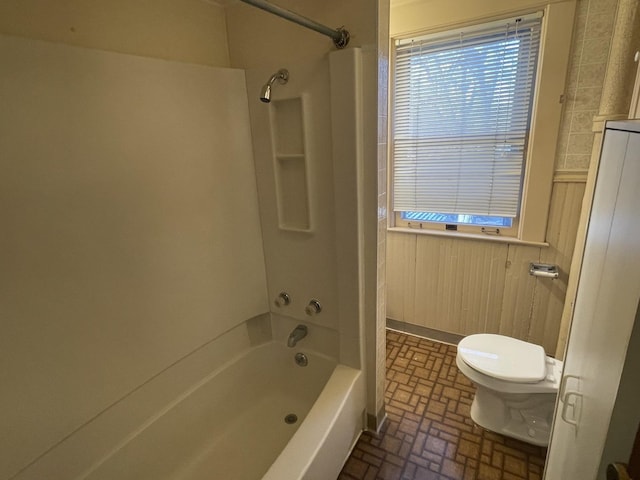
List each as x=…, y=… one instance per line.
x=503, y=357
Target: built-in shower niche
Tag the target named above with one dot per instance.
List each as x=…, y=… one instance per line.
x=290, y=168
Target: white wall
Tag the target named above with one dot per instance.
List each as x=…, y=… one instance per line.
x=412, y=16
x=187, y=30
x=259, y=39
x=130, y=232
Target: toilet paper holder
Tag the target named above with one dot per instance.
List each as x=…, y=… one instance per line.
x=546, y=270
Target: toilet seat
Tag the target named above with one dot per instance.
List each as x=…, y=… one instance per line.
x=504, y=358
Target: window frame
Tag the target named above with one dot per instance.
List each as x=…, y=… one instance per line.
x=555, y=40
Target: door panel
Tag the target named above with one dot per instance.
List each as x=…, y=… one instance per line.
x=606, y=304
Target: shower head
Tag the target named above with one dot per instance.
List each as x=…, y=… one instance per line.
x=265, y=93
x=282, y=76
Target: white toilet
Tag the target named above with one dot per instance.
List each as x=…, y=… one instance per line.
x=516, y=384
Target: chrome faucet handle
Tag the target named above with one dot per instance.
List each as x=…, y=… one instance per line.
x=282, y=300
x=313, y=308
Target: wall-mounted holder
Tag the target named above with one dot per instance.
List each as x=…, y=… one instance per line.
x=313, y=308
x=545, y=270
x=282, y=300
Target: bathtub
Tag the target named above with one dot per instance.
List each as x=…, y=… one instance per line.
x=231, y=424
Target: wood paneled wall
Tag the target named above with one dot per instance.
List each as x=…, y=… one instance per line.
x=467, y=286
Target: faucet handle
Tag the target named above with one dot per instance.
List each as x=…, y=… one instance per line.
x=282, y=300
x=313, y=308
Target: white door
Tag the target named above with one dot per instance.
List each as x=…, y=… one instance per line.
x=605, y=309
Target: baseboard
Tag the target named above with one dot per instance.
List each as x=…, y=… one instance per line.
x=375, y=422
x=428, y=333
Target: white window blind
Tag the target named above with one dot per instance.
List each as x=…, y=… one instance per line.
x=462, y=110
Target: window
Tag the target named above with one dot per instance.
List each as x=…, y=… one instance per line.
x=461, y=120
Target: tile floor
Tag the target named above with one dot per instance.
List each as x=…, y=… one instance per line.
x=429, y=434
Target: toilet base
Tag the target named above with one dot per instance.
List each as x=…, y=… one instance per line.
x=524, y=417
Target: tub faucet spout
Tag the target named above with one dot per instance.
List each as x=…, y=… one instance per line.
x=296, y=335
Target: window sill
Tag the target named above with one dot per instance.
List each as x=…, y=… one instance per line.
x=468, y=236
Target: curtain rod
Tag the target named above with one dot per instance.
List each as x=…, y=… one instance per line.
x=339, y=36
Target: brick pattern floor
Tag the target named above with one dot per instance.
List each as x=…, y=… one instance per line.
x=428, y=433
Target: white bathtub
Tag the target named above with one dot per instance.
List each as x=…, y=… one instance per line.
x=231, y=424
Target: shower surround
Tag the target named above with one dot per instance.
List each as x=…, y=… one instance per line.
x=138, y=280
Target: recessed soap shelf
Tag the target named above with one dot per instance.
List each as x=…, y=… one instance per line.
x=290, y=164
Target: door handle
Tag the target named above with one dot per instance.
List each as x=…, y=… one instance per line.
x=563, y=385
x=576, y=407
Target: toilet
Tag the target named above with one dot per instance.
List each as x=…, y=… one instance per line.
x=517, y=385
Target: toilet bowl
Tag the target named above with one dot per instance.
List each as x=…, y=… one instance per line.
x=517, y=385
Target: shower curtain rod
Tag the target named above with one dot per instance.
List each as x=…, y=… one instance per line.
x=339, y=36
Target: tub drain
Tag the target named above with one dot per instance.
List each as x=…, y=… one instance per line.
x=291, y=419
x=301, y=359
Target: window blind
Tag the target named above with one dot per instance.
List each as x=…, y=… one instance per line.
x=462, y=109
